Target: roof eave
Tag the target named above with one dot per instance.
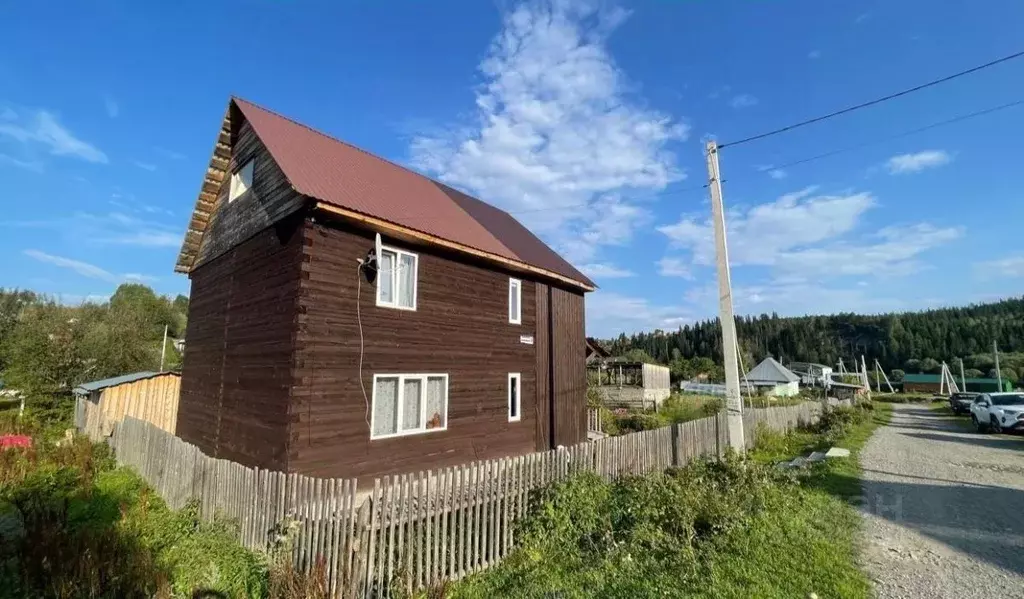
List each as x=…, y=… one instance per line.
x=385, y=226
x=206, y=202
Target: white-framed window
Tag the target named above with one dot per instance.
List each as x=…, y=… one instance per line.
x=397, y=278
x=515, y=301
x=241, y=181
x=408, y=404
x=515, y=392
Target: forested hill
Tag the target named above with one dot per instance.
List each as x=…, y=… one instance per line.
x=894, y=339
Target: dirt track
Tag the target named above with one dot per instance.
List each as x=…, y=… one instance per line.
x=943, y=508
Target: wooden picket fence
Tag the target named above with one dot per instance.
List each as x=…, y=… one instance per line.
x=411, y=531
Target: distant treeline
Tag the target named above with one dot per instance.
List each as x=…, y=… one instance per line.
x=908, y=341
x=47, y=348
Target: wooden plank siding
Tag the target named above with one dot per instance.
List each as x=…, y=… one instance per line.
x=568, y=347
x=237, y=371
x=543, y=434
x=270, y=198
x=271, y=373
x=460, y=327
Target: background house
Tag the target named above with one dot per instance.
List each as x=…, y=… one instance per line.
x=812, y=374
x=931, y=383
x=773, y=379
x=307, y=352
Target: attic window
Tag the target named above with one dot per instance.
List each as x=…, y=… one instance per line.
x=241, y=181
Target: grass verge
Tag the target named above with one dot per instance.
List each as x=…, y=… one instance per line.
x=73, y=525
x=736, y=528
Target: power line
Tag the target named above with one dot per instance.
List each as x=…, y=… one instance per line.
x=873, y=102
x=674, y=192
x=949, y=121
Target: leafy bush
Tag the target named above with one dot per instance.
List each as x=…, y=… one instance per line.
x=670, y=534
x=73, y=525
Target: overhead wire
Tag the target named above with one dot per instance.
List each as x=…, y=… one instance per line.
x=815, y=157
x=900, y=135
x=892, y=96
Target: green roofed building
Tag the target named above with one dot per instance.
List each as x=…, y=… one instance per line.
x=930, y=383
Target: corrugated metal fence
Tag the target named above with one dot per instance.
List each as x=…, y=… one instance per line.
x=409, y=531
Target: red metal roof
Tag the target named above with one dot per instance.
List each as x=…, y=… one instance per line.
x=345, y=176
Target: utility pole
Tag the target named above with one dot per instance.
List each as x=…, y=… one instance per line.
x=963, y=381
x=163, y=349
x=999, y=375
x=733, y=399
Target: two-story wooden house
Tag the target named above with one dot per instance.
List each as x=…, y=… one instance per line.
x=465, y=342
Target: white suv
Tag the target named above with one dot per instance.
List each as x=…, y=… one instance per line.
x=999, y=412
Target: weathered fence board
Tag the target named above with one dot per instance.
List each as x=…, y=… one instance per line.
x=413, y=530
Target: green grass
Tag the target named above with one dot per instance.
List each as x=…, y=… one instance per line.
x=716, y=530
x=78, y=526
x=679, y=408
x=902, y=397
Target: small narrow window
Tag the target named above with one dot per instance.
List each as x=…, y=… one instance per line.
x=514, y=392
x=397, y=279
x=408, y=404
x=241, y=181
x=515, y=301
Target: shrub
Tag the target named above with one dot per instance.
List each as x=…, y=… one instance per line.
x=639, y=421
x=636, y=537
x=71, y=525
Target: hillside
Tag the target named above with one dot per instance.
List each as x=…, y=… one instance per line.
x=913, y=341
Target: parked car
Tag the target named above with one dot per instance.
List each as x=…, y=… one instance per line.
x=998, y=412
x=961, y=402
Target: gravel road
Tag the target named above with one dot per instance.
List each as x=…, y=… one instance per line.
x=943, y=509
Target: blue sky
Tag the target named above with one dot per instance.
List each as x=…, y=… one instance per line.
x=584, y=119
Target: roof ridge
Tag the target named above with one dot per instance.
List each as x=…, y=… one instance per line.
x=364, y=151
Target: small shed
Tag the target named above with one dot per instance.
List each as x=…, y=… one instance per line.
x=812, y=374
x=149, y=396
x=773, y=379
x=594, y=351
x=627, y=383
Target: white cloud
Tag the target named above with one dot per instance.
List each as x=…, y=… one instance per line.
x=169, y=153
x=146, y=166
x=604, y=270
x=719, y=92
x=806, y=234
x=743, y=101
x=87, y=270
x=674, y=267
x=77, y=299
x=793, y=297
x=110, y=104
x=29, y=165
x=774, y=173
x=612, y=313
x=814, y=54
x=1010, y=267
x=145, y=238
x=43, y=130
x=556, y=127
x=113, y=228
x=83, y=268
x=913, y=163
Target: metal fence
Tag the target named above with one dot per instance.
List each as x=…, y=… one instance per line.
x=409, y=531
